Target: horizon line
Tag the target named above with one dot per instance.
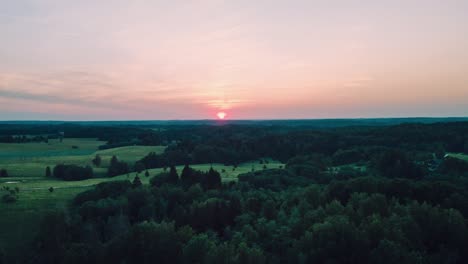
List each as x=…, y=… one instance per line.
x=231, y=120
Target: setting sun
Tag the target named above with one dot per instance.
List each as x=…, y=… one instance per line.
x=221, y=115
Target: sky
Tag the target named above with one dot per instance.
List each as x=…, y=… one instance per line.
x=263, y=59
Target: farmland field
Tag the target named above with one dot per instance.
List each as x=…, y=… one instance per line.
x=26, y=163
x=31, y=159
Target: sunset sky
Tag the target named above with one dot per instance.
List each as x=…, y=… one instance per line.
x=263, y=59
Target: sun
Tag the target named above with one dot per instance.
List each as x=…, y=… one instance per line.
x=221, y=115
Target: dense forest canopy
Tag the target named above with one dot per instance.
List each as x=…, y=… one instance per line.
x=347, y=194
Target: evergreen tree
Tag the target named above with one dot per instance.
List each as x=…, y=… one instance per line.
x=97, y=160
x=173, y=176
x=136, y=182
x=187, y=176
x=212, y=179
x=48, y=172
x=114, y=160
x=117, y=167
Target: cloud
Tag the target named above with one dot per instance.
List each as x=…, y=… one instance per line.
x=359, y=82
x=68, y=87
x=224, y=104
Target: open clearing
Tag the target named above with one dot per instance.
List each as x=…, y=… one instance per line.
x=31, y=159
x=459, y=156
x=26, y=164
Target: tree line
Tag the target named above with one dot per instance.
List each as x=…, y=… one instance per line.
x=268, y=216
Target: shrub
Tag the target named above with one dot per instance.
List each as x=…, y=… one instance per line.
x=9, y=198
x=3, y=173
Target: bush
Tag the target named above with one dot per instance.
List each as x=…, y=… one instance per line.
x=9, y=198
x=3, y=173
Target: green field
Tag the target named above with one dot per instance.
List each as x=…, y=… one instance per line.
x=459, y=156
x=31, y=159
x=26, y=165
x=19, y=221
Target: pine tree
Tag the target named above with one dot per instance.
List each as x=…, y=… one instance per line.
x=212, y=179
x=173, y=176
x=136, y=182
x=114, y=160
x=48, y=172
x=97, y=160
x=187, y=176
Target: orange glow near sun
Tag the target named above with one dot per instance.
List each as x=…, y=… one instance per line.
x=221, y=115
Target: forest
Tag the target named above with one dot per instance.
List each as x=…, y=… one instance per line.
x=354, y=193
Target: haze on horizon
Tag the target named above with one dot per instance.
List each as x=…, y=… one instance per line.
x=123, y=60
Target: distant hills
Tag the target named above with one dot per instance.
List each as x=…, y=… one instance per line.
x=312, y=123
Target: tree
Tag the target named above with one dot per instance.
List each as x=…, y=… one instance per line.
x=53, y=237
x=136, y=182
x=173, y=176
x=196, y=250
x=117, y=167
x=3, y=173
x=139, y=167
x=97, y=160
x=396, y=164
x=454, y=166
x=48, y=172
x=9, y=198
x=188, y=176
x=72, y=172
x=51, y=189
x=147, y=173
x=147, y=242
x=212, y=179
x=114, y=160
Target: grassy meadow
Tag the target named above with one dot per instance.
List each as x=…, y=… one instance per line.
x=31, y=159
x=26, y=163
x=459, y=156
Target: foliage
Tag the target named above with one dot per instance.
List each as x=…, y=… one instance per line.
x=346, y=195
x=9, y=197
x=72, y=172
x=97, y=160
x=48, y=172
x=117, y=167
x=3, y=173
